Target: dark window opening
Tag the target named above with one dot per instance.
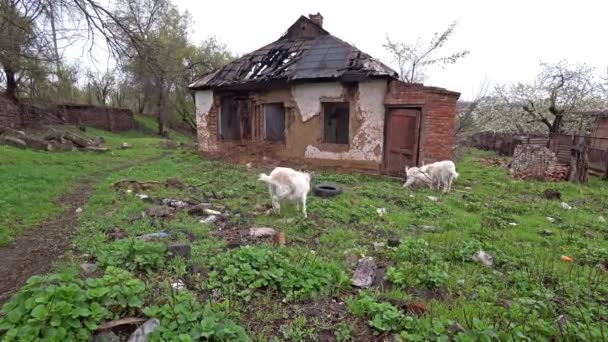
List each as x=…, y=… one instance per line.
x=335, y=122
x=235, y=118
x=274, y=121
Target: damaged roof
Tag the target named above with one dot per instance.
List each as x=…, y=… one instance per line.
x=305, y=52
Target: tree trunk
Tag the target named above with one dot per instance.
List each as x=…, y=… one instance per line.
x=162, y=108
x=557, y=124
x=11, y=83
x=579, y=162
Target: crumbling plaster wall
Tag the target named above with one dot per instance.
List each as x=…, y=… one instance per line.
x=206, y=139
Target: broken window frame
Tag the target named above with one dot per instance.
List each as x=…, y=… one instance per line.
x=237, y=101
x=324, y=105
x=264, y=123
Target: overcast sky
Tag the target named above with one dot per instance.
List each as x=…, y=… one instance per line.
x=507, y=39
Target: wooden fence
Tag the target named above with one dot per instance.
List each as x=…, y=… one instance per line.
x=561, y=144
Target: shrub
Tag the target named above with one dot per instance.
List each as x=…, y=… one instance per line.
x=243, y=271
x=133, y=254
x=61, y=307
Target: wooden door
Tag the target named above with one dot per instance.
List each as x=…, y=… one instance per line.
x=401, y=137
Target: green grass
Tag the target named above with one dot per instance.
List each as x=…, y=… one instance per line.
x=520, y=297
x=32, y=180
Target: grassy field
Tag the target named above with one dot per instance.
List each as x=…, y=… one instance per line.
x=31, y=180
x=432, y=289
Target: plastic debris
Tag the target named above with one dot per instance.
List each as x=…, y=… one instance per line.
x=483, y=258
x=565, y=205
x=381, y=211
x=178, y=285
x=212, y=212
x=258, y=232
x=550, y=219
x=142, y=196
x=279, y=238
x=432, y=198
x=140, y=335
x=209, y=219
x=512, y=224
x=566, y=258
x=601, y=219
x=157, y=235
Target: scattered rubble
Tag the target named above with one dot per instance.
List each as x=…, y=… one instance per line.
x=210, y=219
x=157, y=235
x=483, y=258
x=211, y=212
x=199, y=209
x=364, y=274
x=54, y=142
x=178, y=285
x=177, y=204
x=537, y=162
x=160, y=211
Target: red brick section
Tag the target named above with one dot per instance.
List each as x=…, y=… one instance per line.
x=438, y=114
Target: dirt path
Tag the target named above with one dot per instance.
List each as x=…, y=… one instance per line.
x=34, y=251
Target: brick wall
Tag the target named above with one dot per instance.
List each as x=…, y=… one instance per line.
x=438, y=116
x=111, y=119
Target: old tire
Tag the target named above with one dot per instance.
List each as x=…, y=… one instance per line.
x=326, y=190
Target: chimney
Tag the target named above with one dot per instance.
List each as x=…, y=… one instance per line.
x=316, y=18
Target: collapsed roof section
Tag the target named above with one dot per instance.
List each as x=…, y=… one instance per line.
x=305, y=52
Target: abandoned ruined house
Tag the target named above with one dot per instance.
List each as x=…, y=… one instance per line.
x=310, y=96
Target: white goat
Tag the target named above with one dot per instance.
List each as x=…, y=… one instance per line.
x=285, y=184
x=437, y=174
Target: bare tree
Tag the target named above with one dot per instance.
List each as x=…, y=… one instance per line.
x=468, y=118
x=101, y=86
x=414, y=58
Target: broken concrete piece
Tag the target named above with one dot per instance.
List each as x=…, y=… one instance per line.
x=212, y=212
x=35, y=144
x=258, y=232
x=565, y=205
x=174, y=203
x=76, y=139
x=364, y=274
x=78, y=210
x=140, y=335
x=484, y=258
x=378, y=245
x=590, y=235
x=88, y=268
x=209, y=219
x=179, y=249
x=11, y=141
